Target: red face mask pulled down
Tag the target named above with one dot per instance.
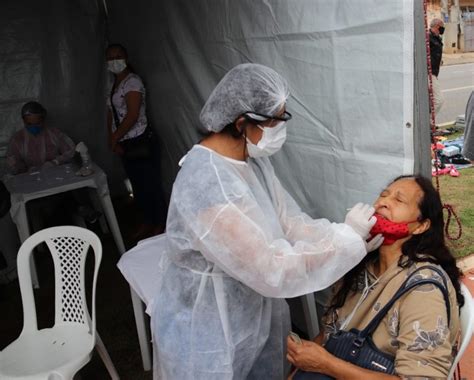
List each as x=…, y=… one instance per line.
x=391, y=231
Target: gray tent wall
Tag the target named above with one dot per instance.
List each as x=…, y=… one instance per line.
x=349, y=65
x=357, y=74
x=421, y=99
x=53, y=52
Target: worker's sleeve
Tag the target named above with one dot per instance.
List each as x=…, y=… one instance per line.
x=14, y=159
x=218, y=216
x=66, y=147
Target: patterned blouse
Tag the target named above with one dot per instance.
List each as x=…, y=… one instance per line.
x=415, y=330
x=132, y=82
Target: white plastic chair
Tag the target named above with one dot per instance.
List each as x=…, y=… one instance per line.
x=60, y=351
x=467, y=327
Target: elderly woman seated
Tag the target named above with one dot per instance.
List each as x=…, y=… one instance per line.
x=415, y=331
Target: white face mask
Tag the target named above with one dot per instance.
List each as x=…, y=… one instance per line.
x=271, y=142
x=117, y=65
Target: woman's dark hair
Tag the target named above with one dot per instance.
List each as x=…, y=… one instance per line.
x=231, y=129
x=428, y=246
x=119, y=47
x=33, y=108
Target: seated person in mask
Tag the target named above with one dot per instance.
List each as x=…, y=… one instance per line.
x=418, y=332
x=36, y=145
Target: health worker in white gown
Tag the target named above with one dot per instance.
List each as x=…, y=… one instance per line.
x=237, y=244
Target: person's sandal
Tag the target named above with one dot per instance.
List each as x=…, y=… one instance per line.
x=454, y=172
x=446, y=170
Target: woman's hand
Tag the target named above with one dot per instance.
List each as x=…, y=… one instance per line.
x=308, y=356
x=113, y=141
x=114, y=144
x=117, y=149
x=109, y=141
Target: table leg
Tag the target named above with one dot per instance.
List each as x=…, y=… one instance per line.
x=93, y=196
x=112, y=220
x=140, y=321
x=142, y=330
x=24, y=233
x=310, y=315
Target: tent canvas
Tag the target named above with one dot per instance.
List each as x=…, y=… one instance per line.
x=356, y=69
x=351, y=71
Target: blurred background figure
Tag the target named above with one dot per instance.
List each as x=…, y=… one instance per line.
x=468, y=147
x=36, y=145
x=436, y=55
x=131, y=137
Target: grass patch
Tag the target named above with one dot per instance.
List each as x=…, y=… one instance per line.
x=459, y=193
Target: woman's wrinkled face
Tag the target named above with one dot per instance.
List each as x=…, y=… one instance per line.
x=399, y=201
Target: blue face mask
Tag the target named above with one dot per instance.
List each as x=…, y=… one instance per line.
x=34, y=129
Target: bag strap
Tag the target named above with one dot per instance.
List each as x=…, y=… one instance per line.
x=405, y=288
x=437, y=270
x=430, y=267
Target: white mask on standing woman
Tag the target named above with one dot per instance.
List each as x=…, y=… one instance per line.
x=116, y=65
x=271, y=142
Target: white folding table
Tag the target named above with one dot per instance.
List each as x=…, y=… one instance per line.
x=28, y=186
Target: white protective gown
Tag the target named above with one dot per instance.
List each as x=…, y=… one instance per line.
x=236, y=245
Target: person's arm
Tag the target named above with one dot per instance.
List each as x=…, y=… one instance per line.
x=217, y=214
x=276, y=267
x=296, y=224
x=423, y=333
x=66, y=147
x=468, y=147
x=133, y=100
x=312, y=357
x=14, y=160
x=319, y=338
x=116, y=148
x=110, y=120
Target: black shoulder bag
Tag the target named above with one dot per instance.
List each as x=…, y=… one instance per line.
x=136, y=148
x=357, y=347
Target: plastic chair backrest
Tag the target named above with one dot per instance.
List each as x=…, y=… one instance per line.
x=467, y=326
x=69, y=246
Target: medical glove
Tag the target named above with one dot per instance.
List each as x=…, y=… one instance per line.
x=361, y=219
x=374, y=243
